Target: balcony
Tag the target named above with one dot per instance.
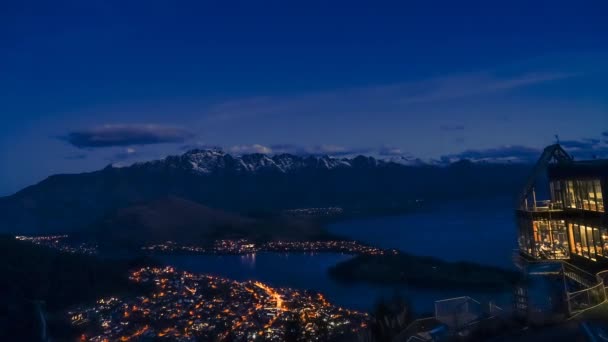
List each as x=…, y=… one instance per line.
x=542, y=206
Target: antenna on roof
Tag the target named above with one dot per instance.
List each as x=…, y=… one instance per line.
x=557, y=139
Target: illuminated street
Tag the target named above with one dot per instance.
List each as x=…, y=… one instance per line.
x=186, y=307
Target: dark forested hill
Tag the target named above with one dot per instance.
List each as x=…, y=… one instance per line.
x=184, y=221
x=35, y=276
x=249, y=183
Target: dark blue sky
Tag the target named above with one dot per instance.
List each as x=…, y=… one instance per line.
x=88, y=83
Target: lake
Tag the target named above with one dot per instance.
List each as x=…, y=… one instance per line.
x=479, y=231
x=482, y=232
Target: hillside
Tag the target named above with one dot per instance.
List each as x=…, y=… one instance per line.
x=423, y=272
x=250, y=183
x=33, y=275
x=184, y=221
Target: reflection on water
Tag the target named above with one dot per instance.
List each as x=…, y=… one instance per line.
x=309, y=271
x=248, y=260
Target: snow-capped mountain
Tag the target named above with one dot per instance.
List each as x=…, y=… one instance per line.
x=210, y=161
x=251, y=183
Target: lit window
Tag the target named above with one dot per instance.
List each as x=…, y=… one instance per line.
x=598, y=195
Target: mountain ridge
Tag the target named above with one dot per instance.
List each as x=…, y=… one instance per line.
x=250, y=183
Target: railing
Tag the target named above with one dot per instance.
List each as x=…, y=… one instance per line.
x=454, y=314
x=593, y=293
x=604, y=276
x=457, y=312
x=590, y=297
x=410, y=332
x=545, y=205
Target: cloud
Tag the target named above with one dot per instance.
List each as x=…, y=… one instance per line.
x=384, y=97
x=581, y=149
x=127, y=153
x=451, y=127
x=312, y=150
x=579, y=144
x=248, y=149
x=481, y=83
x=590, y=148
x=318, y=150
x=303, y=150
x=390, y=151
x=508, y=153
x=126, y=135
x=334, y=150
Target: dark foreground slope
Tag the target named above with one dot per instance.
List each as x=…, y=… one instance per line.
x=33, y=276
x=250, y=183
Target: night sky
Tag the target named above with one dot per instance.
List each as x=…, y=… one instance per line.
x=87, y=83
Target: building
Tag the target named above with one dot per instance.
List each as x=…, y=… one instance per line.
x=565, y=232
x=572, y=223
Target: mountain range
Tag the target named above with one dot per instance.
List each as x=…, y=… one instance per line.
x=250, y=184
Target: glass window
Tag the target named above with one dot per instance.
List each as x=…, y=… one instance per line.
x=584, y=241
x=570, y=194
x=590, y=243
x=550, y=239
x=598, y=195
x=561, y=246
x=525, y=241
x=597, y=242
x=580, y=194
x=543, y=241
x=591, y=196
x=556, y=195
x=584, y=193
x=605, y=242
x=577, y=247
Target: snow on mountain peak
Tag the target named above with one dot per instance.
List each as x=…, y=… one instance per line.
x=207, y=161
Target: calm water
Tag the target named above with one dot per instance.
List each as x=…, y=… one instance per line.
x=479, y=231
x=472, y=231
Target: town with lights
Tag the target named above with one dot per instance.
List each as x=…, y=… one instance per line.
x=182, y=306
x=61, y=243
x=243, y=246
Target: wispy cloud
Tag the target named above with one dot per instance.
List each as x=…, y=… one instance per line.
x=586, y=148
x=589, y=148
x=323, y=149
x=126, y=135
x=126, y=154
x=248, y=149
x=508, y=153
x=376, y=98
x=390, y=151
x=303, y=150
x=466, y=85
